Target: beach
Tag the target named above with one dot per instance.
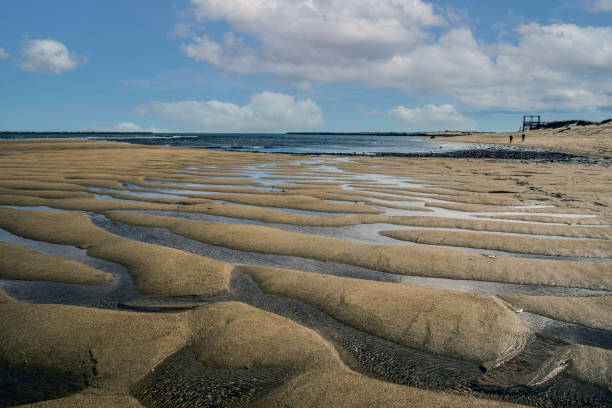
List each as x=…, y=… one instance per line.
x=587, y=139
x=153, y=276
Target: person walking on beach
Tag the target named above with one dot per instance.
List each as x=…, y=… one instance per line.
x=511, y=137
x=523, y=138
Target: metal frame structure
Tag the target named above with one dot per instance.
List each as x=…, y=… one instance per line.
x=531, y=122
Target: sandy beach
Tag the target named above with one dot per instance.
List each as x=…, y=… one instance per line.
x=590, y=139
x=145, y=276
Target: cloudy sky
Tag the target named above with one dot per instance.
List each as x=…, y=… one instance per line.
x=286, y=65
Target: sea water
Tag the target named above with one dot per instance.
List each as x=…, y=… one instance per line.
x=280, y=143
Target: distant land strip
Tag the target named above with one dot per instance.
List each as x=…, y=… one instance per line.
x=441, y=133
x=21, y=132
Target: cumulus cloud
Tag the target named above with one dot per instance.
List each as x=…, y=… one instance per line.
x=601, y=5
x=432, y=117
x=391, y=43
x=231, y=52
x=577, y=49
x=3, y=54
x=266, y=111
x=127, y=127
x=48, y=56
x=133, y=127
x=294, y=33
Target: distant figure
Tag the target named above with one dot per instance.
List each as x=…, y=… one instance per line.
x=522, y=137
x=511, y=137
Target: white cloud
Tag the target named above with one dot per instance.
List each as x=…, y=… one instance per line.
x=126, y=127
x=432, y=117
x=48, y=56
x=266, y=111
x=203, y=49
x=601, y=5
x=231, y=52
x=293, y=33
x=182, y=30
x=3, y=54
x=562, y=48
x=390, y=43
x=132, y=127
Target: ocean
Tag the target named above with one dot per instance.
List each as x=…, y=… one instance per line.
x=279, y=142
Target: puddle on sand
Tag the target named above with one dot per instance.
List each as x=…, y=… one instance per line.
x=291, y=210
x=534, y=206
x=174, y=183
x=168, y=304
x=562, y=221
x=325, y=168
x=143, y=194
x=106, y=197
x=176, y=191
x=396, y=212
x=499, y=288
x=267, y=174
x=262, y=177
x=365, y=233
x=208, y=176
x=511, y=234
x=543, y=214
x=365, y=181
x=570, y=332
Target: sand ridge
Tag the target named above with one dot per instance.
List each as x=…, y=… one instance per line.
x=444, y=322
x=592, y=365
x=593, y=311
x=17, y=262
x=595, y=220
x=421, y=261
x=600, y=248
x=501, y=226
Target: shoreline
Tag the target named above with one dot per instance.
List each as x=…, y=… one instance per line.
x=501, y=152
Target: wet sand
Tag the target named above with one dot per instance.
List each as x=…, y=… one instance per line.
x=209, y=278
x=20, y=263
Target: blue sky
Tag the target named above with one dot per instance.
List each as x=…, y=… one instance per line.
x=286, y=65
